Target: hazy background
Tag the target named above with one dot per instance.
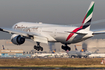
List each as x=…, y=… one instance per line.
x=49, y=11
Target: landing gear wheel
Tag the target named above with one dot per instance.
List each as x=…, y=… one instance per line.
x=35, y=47
x=63, y=47
x=72, y=56
x=41, y=49
x=38, y=47
x=66, y=48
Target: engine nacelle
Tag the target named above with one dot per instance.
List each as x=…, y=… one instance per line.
x=17, y=39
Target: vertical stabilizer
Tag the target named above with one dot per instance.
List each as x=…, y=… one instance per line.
x=75, y=48
x=86, y=21
x=88, y=17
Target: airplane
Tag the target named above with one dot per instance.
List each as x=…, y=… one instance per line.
x=44, y=33
x=76, y=53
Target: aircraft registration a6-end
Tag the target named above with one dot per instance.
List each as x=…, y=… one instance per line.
x=44, y=33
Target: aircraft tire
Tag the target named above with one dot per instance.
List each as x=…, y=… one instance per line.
x=85, y=56
x=63, y=47
x=38, y=48
x=68, y=48
x=41, y=48
x=72, y=56
x=35, y=47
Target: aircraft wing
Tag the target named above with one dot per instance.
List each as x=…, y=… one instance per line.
x=35, y=36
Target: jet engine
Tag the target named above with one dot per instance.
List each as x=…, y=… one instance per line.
x=17, y=39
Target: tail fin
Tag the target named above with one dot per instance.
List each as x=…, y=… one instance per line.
x=88, y=17
x=75, y=48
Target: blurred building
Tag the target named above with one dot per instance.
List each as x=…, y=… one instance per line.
x=95, y=45
x=11, y=52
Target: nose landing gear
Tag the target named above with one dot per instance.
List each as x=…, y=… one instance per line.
x=38, y=47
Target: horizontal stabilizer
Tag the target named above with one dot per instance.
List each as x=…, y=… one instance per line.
x=76, y=33
x=99, y=32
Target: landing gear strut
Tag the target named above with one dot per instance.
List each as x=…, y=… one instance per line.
x=65, y=47
x=38, y=47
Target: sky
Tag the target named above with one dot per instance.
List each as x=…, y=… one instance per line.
x=66, y=12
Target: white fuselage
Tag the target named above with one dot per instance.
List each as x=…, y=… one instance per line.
x=54, y=33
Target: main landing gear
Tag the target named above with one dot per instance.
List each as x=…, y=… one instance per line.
x=38, y=47
x=65, y=47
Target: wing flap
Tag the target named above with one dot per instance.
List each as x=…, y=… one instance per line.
x=40, y=39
